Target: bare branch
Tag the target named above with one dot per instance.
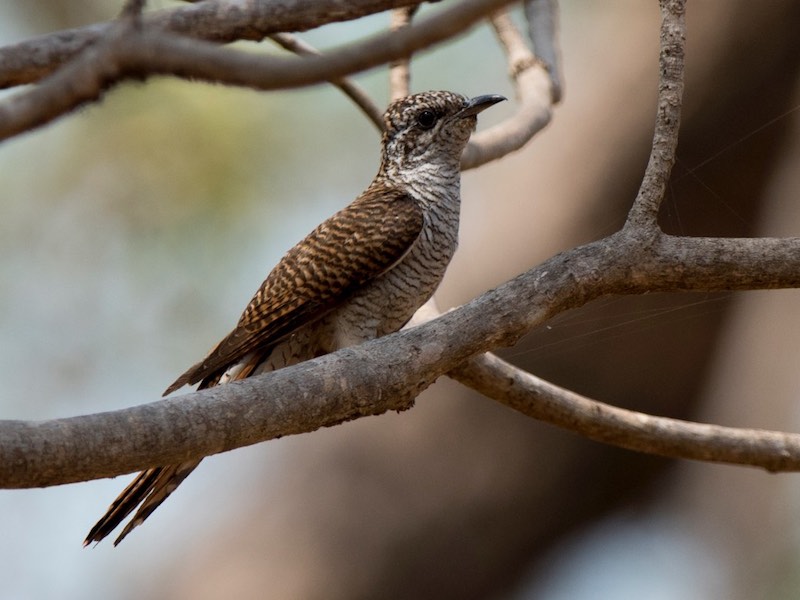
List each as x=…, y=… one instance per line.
x=210, y=20
x=399, y=70
x=519, y=55
x=132, y=10
x=126, y=53
x=536, y=398
x=542, y=17
x=534, y=95
x=354, y=91
x=385, y=374
x=643, y=216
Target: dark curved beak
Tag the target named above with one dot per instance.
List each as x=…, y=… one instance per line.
x=480, y=103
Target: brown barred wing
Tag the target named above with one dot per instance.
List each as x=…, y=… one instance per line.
x=353, y=247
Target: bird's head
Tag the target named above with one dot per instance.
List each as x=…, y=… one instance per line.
x=431, y=128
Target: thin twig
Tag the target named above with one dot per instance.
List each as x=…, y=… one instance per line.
x=354, y=91
x=399, y=70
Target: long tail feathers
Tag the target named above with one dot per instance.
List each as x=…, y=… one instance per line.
x=150, y=488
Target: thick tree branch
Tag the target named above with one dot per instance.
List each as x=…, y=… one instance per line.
x=388, y=373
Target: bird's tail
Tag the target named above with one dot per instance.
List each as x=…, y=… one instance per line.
x=150, y=489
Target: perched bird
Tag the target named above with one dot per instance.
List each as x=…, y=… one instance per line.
x=361, y=274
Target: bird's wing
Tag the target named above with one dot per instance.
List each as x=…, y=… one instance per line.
x=354, y=246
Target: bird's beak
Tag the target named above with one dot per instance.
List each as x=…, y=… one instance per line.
x=480, y=103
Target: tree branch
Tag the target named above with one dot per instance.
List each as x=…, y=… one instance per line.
x=542, y=18
x=128, y=53
x=350, y=88
x=399, y=70
x=643, y=215
x=211, y=20
x=388, y=373
x=673, y=438
x=533, y=88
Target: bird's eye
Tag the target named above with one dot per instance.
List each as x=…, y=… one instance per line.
x=426, y=119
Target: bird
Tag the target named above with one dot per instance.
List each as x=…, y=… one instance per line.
x=359, y=275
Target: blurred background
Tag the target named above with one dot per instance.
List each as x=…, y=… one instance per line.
x=134, y=232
